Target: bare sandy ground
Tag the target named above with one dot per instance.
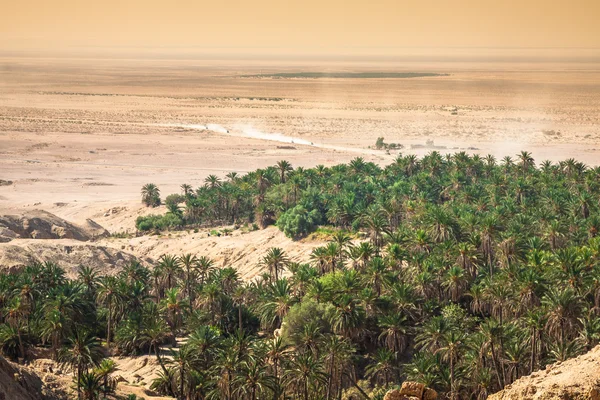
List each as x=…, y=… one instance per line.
x=95, y=131
x=78, y=138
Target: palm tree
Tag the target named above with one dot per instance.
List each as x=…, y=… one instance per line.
x=489, y=229
x=103, y=371
x=527, y=161
x=83, y=352
x=188, y=261
x=451, y=350
x=276, y=304
x=394, y=332
x=377, y=274
x=212, y=181
x=89, y=386
x=383, y=368
x=186, y=189
x=535, y=322
x=455, y=282
x=9, y=342
x=15, y=316
x=204, y=267
x=169, y=265
x=89, y=277
x=155, y=331
x=423, y=369
x=305, y=372
x=467, y=258
x=562, y=351
x=284, y=168
x=492, y=333
x=174, y=308
x=338, y=353
x=431, y=336
x=564, y=308
x=184, y=360
x=239, y=299
x=225, y=365
x=276, y=352
x=254, y=380
x=108, y=295
x=275, y=260
x=348, y=317
x=377, y=224
x=150, y=195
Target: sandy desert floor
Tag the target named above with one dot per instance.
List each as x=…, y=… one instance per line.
x=80, y=137
x=95, y=131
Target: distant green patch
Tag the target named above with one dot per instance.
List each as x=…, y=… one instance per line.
x=351, y=75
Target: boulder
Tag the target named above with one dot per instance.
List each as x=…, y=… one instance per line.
x=429, y=394
x=413, y=389
x=395, y=394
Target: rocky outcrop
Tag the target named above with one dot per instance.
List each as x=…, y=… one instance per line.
x=69, y=254
x=44, y=225
x=574, y=379
x=21, y=383
x=411, y=391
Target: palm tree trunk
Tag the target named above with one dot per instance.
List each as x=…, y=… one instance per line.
x=502, y=343
x=276, y=374
x=496, y=366
x=181, y=376
x=21, y=347
x=78, y=382
x=533, y=346
x=187, y=283
x=108, y=325
x=452, y=392
x=305, y=388
x=228, y=385
x=162, y=365
x=240, y=317
x=330, y=377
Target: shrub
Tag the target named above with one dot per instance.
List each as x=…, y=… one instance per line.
x=297, y=222
x=158, y=222
x=174, y=199
x=293, y=324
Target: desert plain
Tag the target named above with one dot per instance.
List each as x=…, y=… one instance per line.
x=79, y=137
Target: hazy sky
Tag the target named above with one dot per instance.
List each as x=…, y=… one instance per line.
x=299, y=26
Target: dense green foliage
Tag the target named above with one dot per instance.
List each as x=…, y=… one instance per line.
x=473, y=274
x=297, y=221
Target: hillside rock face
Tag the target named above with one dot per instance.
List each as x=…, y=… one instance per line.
x=21, y=383
x=44, y=225
x=69, y=254
x=575, y=379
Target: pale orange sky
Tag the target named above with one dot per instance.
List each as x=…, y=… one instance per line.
x=298, y=26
